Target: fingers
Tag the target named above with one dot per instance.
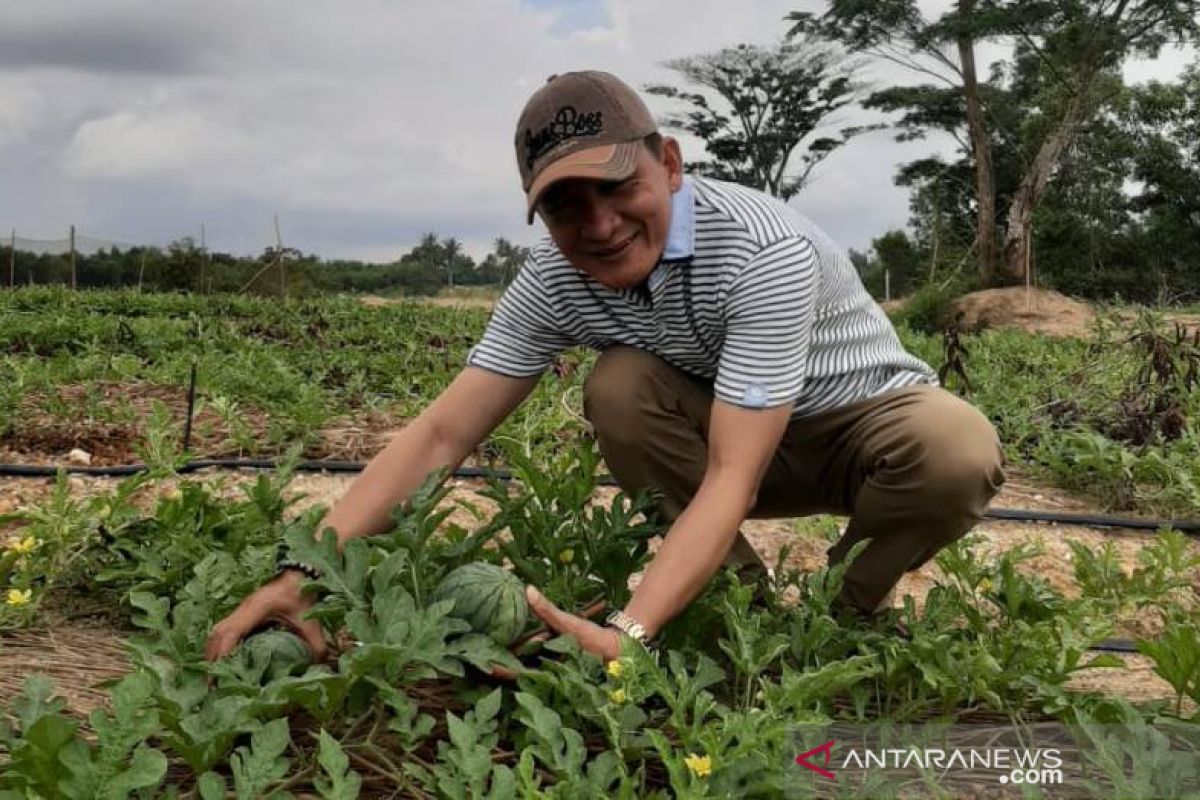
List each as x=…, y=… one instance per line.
x=280, y=600
x=227, y=633
x=503, y=673
x=555, y=618
x=310, y=631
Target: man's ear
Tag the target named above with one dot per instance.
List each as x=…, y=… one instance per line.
x=672, y=159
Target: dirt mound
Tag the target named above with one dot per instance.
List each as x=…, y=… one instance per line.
x=1031, y=310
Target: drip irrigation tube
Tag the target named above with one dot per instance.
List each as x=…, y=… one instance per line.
x=1190, y=527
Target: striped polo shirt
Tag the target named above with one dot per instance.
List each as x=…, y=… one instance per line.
x=749, y=295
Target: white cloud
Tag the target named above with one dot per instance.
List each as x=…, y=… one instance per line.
x=361, y=124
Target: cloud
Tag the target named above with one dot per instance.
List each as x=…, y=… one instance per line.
x=362, y=125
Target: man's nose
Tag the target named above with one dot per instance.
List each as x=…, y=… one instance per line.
x=599, y=218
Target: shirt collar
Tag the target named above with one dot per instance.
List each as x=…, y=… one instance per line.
x=681, y=236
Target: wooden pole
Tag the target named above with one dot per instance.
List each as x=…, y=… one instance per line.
x=12, y=259
x=279, y=255
x=142, y=270
x=887, y=284
x=203, y=258
x=72, y=257
x=1028, y=277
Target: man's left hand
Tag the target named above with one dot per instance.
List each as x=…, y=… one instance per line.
x=595, y=639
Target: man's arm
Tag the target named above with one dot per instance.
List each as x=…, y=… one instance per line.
x=741, y=444
x=443, y=435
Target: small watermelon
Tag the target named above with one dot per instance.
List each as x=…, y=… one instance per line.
x=488, y=598
x=275, y=654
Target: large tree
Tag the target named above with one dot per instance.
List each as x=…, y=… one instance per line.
x=1073, y=45
x=944, y=48
x=764, y=113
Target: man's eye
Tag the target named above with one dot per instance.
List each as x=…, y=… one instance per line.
x=608, y=188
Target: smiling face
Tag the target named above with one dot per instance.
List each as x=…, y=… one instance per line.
x=616, y=231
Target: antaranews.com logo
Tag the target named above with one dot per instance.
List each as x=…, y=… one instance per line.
x=1019, y=766
x=1049, y=759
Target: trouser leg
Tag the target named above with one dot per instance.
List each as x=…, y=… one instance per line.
x=651, y=423
x=915, y=469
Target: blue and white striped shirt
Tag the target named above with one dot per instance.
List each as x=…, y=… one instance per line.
x=748, y=294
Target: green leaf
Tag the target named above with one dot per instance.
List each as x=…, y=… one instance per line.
x=146, y=769
x=257, y=767
x=36, y=700
x=211, y=786
x=559, y=748
x=343, y=783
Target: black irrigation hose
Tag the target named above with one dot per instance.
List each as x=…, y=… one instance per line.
x=1191, y=527
x=1023, y=515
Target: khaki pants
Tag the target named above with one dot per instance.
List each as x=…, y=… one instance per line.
x=914, y=469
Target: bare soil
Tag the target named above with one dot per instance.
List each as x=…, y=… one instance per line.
x=1032, y=310
x=115, y=426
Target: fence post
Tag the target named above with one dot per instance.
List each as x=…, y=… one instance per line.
x=282, y=269
x=12, y=259
x=72, y=257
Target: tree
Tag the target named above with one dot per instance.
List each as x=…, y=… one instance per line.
x=897, y=31
x=451, y=252
x=1068, y=47
x=772, y=100
x=509, y=259
x=1078, y=43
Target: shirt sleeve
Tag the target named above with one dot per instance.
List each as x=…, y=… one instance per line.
x=523, y=335
x=768, y=324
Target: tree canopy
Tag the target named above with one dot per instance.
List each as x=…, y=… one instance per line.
x=765, y=114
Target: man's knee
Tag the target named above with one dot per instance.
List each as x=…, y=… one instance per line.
x=624, y=387
x=962, y=461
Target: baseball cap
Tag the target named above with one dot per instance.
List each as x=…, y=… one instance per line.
x=586, y=124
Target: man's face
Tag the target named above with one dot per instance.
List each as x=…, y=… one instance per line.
x=615, y=231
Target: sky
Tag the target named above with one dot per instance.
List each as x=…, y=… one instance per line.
x=362, y=124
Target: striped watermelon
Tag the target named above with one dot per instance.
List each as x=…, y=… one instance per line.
x=488, y=598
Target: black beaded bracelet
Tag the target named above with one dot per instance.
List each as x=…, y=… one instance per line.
x=283, y=563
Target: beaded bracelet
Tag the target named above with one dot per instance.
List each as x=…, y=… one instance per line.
x=283, y=563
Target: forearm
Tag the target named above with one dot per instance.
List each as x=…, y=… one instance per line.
x=390, y=477
x=693, y=550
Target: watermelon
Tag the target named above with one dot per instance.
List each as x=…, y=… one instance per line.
x=274, y=654
x=488, y=598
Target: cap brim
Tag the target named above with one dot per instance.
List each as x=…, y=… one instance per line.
x=610, y=162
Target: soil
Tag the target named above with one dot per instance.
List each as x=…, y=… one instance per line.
x=116, y=427
x=1032, y=310
x=81, y=651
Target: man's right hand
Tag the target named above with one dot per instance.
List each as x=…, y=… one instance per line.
x=280, y=601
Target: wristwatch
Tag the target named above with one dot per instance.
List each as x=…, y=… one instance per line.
x=628, y=626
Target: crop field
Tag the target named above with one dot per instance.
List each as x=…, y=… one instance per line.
x=406, y=706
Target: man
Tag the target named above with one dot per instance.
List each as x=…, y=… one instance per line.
x=745, y=372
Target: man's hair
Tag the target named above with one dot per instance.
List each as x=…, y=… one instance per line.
x=654, y=143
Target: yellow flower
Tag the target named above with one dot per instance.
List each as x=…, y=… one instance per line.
x=26, y=545
x=700, y=766
x=567, y=556
x=617, y=696
x=615, y=669
x=17, y=597
x=985, y=585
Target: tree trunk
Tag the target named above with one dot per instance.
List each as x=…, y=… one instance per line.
x=981, y=147
x=1018, y=236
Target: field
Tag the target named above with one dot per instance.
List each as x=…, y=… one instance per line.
x=121, y=579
